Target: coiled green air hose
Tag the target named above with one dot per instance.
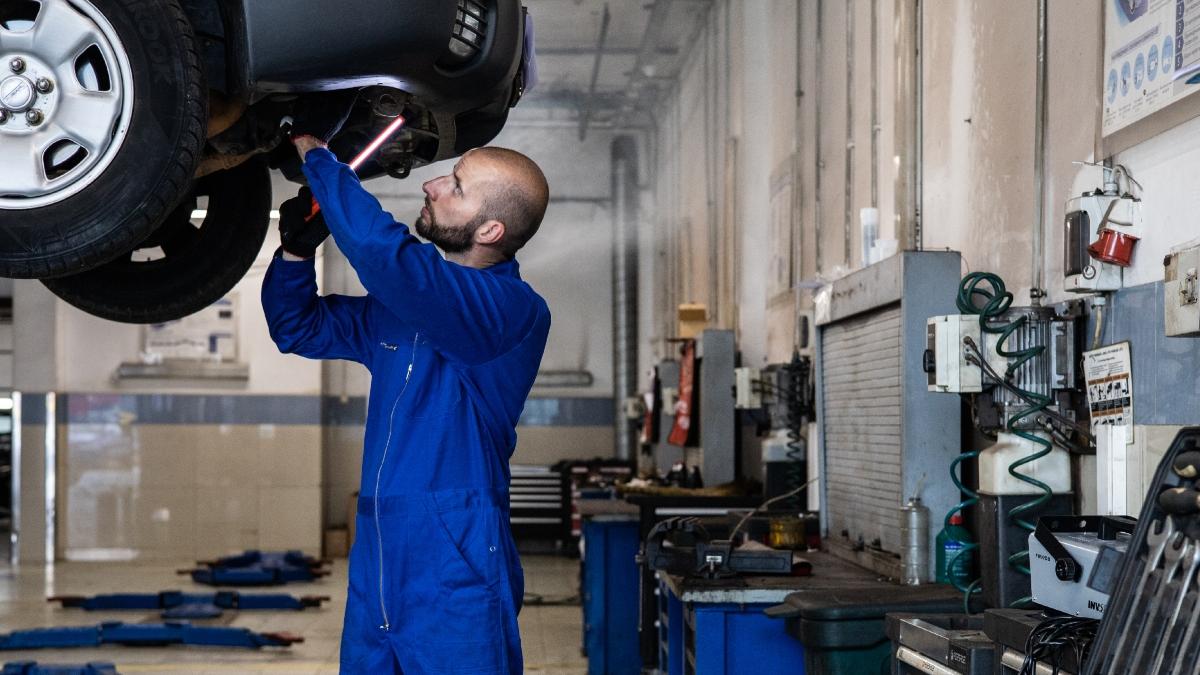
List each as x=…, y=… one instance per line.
x=797, y=404
x=972, y=499
x=996, y=301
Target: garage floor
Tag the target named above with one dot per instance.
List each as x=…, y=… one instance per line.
x=551, y=634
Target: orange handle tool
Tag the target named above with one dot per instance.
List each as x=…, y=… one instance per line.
x=361, y=157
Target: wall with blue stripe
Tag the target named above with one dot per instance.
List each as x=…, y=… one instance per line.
x=160, y=476
x=190, y=409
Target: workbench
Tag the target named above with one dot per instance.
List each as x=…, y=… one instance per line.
x=651, y=510
x=718, y=626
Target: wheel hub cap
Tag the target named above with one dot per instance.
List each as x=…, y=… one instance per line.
x=65, y=92
x=17, y=94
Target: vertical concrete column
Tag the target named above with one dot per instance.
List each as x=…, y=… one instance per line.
x=35, y=381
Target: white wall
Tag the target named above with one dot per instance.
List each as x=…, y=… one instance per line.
x=978, y=122
x=979, y=187
x=979, y=180
x=1167, y=165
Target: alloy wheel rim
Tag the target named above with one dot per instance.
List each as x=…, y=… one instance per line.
x=66, y=103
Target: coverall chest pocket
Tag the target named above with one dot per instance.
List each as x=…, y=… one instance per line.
x=430, y=384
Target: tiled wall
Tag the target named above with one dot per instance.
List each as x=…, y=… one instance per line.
x=169, y=491
x=1166, y=388
x=180, y=477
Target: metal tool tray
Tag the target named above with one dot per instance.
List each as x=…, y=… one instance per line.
x=1118, y=612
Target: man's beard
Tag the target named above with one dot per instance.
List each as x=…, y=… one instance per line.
x=450, y=240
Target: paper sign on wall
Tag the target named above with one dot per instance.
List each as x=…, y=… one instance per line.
x=1151, y=57
x=207, y=335
x=1109, y=377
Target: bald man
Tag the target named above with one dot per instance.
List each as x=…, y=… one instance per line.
x=453, y=344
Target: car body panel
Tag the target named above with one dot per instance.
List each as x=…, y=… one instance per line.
x=318, y=45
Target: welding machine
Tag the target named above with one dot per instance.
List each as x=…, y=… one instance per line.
x=1074, y=559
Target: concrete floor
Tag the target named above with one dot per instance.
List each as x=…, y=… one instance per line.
x=551, y=634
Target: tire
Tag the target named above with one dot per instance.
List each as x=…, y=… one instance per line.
x=147, y=142
x=194, y=267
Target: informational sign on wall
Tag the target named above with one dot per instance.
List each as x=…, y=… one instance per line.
x=1109, y=378
x=207, y=335
x=1151, y=57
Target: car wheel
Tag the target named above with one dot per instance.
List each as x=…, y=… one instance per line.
x=102, y=120
x=188, y=263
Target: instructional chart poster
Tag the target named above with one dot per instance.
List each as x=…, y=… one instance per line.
x=1109, y=378
x=207, y=335
x=1152, y=57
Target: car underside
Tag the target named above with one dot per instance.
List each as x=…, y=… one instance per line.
x=119, y=118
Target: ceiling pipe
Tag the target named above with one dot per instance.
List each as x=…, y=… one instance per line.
x=908, y=127
x=875, y=128
x=818, y=159
x=848, y=197
x=625, y=288
x=585, y=115
x=645, y=67
x=799, y=249
x=1037, y=289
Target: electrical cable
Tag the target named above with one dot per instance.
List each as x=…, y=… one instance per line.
x=1098, y=329
x=760, y=507
x=781, y=392
x=1120, y=170
x=996, y=302
x=977, y=359
x=538, y=600
x=1048, y=640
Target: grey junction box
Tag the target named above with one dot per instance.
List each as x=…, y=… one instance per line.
x=1181, y=293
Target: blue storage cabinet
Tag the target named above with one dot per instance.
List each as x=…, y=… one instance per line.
x=723, y=638
x=670, y=629
x=610, y=595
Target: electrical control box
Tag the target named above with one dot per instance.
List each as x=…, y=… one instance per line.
x=1181, y=293
x=946, y=366
x=748, y=387
x=1086, y=216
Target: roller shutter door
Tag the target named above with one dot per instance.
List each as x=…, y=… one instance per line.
x=861, y=358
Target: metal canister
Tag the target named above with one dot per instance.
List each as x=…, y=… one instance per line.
x=914, y=542
x=787, y=532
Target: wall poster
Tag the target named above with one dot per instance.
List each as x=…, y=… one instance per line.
x=207, y=335
x=1151, y=57
x=1109, y=378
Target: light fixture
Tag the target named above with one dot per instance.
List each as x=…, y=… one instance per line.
x=201, y=214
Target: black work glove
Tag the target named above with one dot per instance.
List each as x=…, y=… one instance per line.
x=322, y=114
x=301, y=225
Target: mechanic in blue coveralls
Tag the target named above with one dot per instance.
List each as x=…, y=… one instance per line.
x=453, y=345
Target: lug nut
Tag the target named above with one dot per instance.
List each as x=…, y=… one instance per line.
x=44, y=85
x=17, y=65
x=34, y=117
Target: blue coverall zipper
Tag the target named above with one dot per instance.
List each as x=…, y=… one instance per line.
x=387, y=625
